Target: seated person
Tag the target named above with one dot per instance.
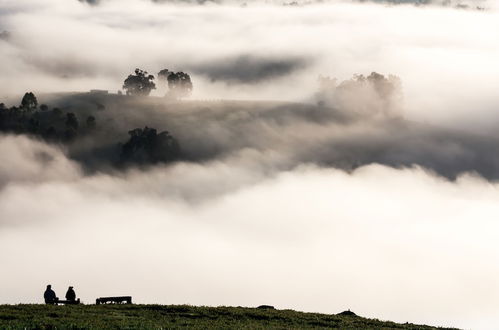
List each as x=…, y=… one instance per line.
x=71, y=296
x=49, y=296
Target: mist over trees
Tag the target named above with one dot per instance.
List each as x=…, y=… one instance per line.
x=354, y=123
x=179, y=83
x=144, y=146
x=372, y=95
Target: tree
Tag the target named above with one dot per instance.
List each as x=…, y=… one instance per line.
x=29, y=101
x=163, y=74
x=71, y=121
x=163, y=78
x=372, y=95
x=44, y=107
x=141, y=83
x=147, y=146
x=180, y=84
x=56, y=113
x=33, y=126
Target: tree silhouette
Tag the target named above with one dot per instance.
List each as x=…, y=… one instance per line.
x=141, y=83
x=147, y=146
x=29, y=102
x=179, y=83
x=163, y=74
x=71, y=121
x=163, y=77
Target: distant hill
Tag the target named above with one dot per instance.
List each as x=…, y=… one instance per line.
x=177, y=317
x=143, y=131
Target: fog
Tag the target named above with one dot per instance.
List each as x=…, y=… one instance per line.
x=446, y=57
x=390, y=211
x=393, y=244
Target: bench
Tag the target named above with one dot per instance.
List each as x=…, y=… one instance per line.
x=67, y=302
x=114, y=300
x=265, y=307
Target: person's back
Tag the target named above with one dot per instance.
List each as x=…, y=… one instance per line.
x=49, y=295
x=70, y=294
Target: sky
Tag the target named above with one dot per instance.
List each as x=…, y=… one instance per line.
x=274, y=216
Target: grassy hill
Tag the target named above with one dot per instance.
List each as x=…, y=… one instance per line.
x=175, y=317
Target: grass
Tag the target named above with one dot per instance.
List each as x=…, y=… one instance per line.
x=177, y=317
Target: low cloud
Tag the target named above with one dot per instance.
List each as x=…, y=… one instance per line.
x=92, y=2
x=319, y=229
x=283, y=52
x=5, y=35
x=248, y=69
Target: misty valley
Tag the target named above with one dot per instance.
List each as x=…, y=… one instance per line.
x=347, y=125
x=261, y=164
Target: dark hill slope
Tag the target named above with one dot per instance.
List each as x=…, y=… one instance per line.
x=176, y=317
x=278, y=136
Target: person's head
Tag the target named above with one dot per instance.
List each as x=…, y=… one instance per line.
x=49, y=286
x=70, y=288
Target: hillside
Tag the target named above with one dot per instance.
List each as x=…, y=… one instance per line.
x=118, y=136
x=175, y=317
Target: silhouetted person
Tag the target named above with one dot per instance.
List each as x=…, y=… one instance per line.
x=49, y=295
x=71, y=295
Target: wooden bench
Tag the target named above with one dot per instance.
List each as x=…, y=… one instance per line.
x=114, y=300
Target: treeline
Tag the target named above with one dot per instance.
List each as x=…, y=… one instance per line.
x=52, y=125
x=144, y=146
x=372, y=95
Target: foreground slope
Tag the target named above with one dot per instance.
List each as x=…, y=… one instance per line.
x=173, y=317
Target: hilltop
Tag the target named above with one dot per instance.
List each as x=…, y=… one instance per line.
x=176, y=317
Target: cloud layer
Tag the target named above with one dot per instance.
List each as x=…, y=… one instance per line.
x=393, y=244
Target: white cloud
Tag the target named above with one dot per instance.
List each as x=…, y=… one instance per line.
x=394, y=244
